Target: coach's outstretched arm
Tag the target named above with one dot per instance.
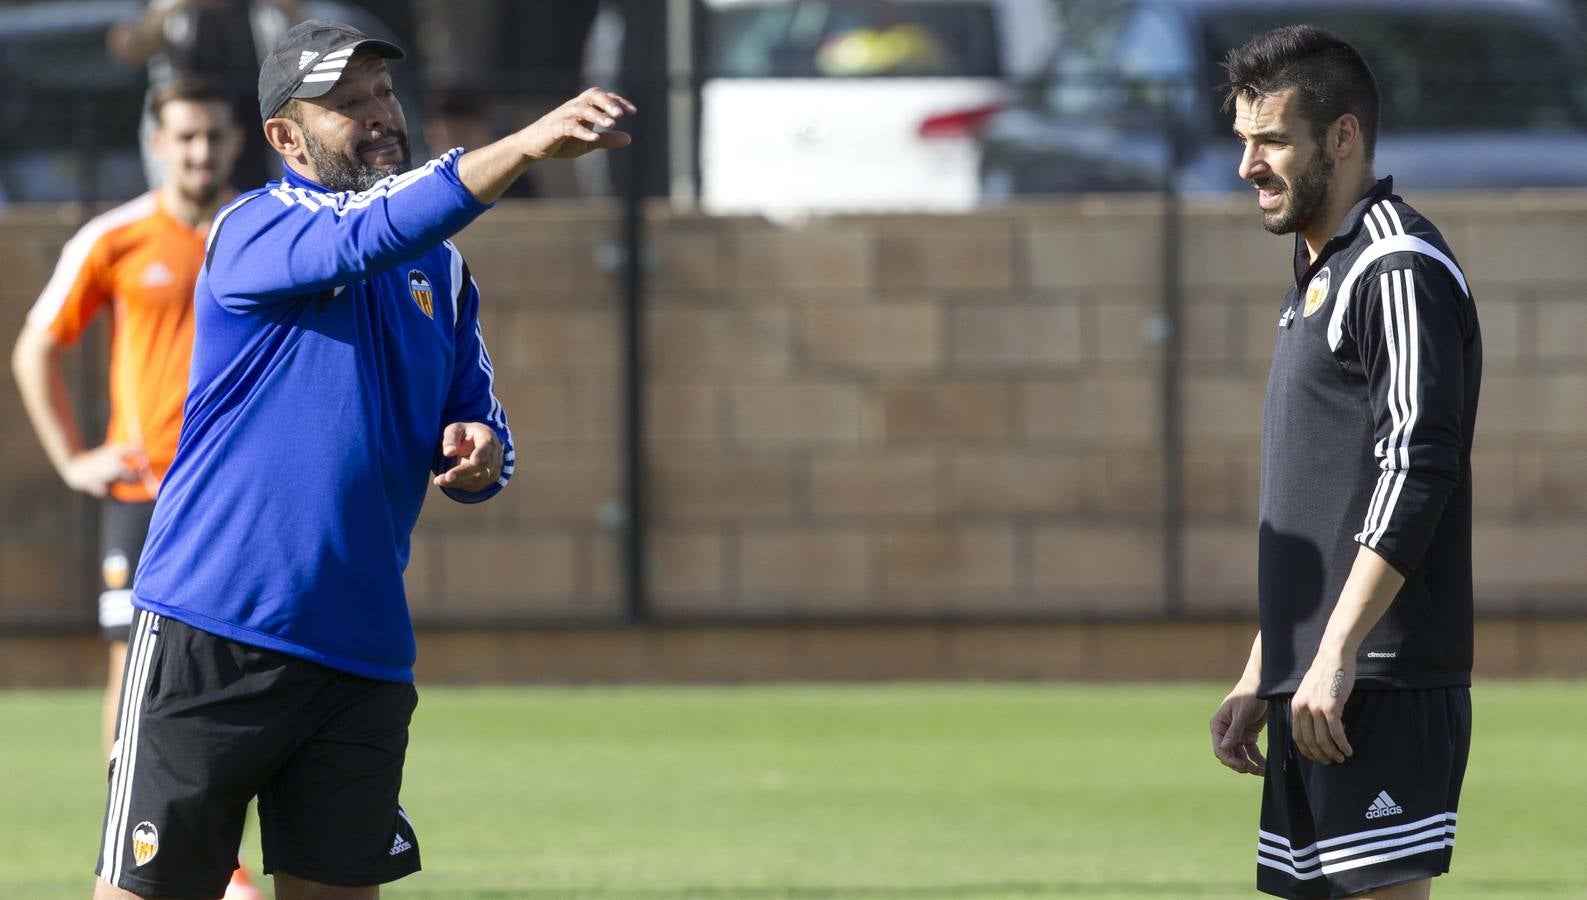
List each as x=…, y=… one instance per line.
x=292, y=241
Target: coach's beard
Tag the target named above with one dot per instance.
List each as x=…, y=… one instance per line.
x=350, y=173
x=1303, y=198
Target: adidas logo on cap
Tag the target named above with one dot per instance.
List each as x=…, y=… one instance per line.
x=1384, y=805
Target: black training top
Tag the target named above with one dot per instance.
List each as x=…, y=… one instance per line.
x=1366, y=440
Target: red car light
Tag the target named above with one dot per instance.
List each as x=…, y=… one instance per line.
x=960, y=123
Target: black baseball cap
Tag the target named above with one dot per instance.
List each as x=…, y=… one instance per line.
x=308, y=61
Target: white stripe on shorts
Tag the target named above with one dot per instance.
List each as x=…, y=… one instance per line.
x=1343, y=853
x=139, y=655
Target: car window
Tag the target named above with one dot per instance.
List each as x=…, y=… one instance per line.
x=852, y=39
x=1152, y=46
x=1449, y=70
x=1122, y=64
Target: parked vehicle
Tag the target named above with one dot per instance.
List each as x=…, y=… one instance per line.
x=1476, y=93
x=854, y=104
x=69, y=123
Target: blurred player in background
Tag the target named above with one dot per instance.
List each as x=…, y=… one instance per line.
x=1362, y=667
x=338, y=370
x=139, y=262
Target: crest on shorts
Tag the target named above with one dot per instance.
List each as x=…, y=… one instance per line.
x=145, y=842
x=115, y=569
x=423, y=293
x=1317, y=292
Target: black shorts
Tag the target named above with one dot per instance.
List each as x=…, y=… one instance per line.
x=1383, y=817
x=207, y=724
x=123, y=527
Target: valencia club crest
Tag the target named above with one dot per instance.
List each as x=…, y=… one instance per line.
x=423, y=294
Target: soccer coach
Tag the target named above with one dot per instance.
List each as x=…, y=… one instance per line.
x=338, y=365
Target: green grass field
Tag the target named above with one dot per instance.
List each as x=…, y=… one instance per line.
x=890, y=791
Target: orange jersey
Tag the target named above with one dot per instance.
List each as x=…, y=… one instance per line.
x=143, y=262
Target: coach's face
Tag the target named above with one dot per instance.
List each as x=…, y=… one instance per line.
x=1282, y=161
x=196, y=143
x=352, y=137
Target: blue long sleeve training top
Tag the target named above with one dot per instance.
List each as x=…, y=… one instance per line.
x=337, y=334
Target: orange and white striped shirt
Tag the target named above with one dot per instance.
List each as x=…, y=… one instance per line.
x=143, y=262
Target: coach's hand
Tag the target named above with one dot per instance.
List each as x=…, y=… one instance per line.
x=1318, y=707
x=478, y=452
x=94, y=471
x=569, y=131
x=1236, y=728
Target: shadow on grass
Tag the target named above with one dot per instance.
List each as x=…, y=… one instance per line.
x=1495, y=887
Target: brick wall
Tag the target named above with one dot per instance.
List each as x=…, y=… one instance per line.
x=904, y=416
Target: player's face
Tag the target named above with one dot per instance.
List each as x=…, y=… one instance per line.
x=1289, y=170
x=356, y=134
x=196, y=144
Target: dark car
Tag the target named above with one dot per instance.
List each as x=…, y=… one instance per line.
x=69, y=117
x=1476, y=94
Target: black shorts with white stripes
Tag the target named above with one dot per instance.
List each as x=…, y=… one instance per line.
x=207, y=724
x=1383, y=817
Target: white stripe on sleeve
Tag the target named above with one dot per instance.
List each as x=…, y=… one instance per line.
x=1404, y=243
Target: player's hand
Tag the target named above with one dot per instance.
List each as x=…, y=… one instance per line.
x=478, y=453
x=1318, y=707
x=569, y=131
x=94, y=471
x=1236, y=728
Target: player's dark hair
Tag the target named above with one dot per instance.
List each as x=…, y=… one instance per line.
x=192, y=90
x=1329, y=76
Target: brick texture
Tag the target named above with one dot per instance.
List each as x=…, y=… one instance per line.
x=876, y=485
x=902, y=419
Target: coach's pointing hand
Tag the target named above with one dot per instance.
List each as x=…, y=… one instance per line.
x=569, y=130
x=478, y=452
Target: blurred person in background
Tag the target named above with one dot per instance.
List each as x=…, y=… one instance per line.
x=138, y=262
x=218, y=41
x=1362, y=667
x=338, y=370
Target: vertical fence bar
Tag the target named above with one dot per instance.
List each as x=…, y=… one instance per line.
x=1173, y=474
x=636, y=599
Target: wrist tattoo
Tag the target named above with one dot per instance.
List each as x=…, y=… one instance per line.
x=1338, y=685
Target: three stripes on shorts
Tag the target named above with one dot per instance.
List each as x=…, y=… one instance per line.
x=1353, y=851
